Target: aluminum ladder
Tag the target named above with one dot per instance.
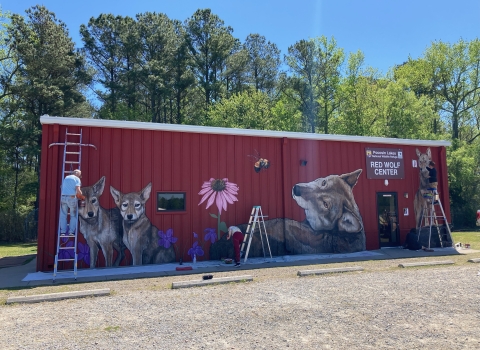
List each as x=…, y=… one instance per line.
x=256, y=217
x=72, y=159
x=431, y=219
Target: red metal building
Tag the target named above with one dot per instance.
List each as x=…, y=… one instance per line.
x=321, y=192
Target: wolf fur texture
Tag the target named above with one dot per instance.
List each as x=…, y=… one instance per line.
x=102, y=228
x=139, y=235
x=329, y=203
x=419, y=201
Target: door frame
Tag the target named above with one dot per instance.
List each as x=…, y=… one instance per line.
x=380, y=244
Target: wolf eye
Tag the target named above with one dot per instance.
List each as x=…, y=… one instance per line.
x=137, y=205
x=325, y=204
x=124, y=205
x=94, y=200
x=324, y=182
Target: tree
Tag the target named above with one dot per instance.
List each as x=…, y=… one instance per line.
x=264, y=62
x=51, y=74
x=210, y=43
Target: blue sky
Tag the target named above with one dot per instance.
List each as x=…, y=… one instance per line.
x=387, y=31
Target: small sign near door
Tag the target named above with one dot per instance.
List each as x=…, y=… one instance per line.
x=384, y=163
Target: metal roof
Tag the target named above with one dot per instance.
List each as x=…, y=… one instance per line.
x=122, y=124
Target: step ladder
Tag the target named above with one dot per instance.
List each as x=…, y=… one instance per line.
x=256, y=218
x=72, y=159
x=431, y=219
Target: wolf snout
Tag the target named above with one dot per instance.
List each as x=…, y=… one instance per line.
x=297, y=191
x=90, y=214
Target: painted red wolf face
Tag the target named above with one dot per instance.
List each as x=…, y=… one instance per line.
x=329, y=203
x=131, y=205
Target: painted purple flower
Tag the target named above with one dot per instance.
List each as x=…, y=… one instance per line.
x=66, y=253
x=195, y=250
x=219, y=191
x=84, y=253
x=166, y=239
x=211, y=234
x=195, y=235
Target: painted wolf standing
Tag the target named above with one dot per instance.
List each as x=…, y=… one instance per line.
x=101, y=227
x=419, y=201
x=139, y=235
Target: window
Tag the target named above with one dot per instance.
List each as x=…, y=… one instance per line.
x=170, y=201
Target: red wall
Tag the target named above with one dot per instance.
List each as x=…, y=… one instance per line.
x=177, y=161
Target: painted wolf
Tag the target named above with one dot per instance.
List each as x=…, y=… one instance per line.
x=102, y=228
x=139, y=235
x=419, y=201
x=329, y=203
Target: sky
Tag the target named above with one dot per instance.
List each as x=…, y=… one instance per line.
x=388, y=32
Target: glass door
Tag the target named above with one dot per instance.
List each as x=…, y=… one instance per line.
x=387, y=211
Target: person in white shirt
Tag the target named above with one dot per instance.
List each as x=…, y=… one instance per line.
x=71, y=193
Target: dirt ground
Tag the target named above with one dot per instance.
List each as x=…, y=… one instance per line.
x=383, y=307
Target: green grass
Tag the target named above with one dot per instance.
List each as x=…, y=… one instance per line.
x=471, y=237
x=17, y=249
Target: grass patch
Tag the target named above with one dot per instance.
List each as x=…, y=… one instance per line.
x=17, y=249
x=471, y=237
x=112, y=328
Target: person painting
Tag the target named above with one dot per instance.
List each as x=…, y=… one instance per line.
x=71, y=193
x=432, y=176
x=237, y=237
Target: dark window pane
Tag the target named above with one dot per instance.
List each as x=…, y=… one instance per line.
x=170, y=201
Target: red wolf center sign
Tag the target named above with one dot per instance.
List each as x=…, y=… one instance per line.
x=384, y=163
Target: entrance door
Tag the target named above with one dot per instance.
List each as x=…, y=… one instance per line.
x=387, y=210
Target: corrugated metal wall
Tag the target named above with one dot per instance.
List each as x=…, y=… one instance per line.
x=177, y=161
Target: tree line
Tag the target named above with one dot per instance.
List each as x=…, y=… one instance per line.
x=153, y=68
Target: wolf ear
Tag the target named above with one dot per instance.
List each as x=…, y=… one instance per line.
x=99, y=186
x=417, y=152
x=349, y=222
x=116, y=194
x=145, y=193
x=351, y=178
x=429, y=153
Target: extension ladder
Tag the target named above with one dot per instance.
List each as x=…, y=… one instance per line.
x=256, y=218
x=72, y=158
x=431, y=219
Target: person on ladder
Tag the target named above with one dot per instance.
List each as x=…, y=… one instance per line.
x=237, y=237
x=432, y=179
x=71, y=193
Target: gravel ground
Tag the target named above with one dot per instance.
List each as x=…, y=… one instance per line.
x=383, y=307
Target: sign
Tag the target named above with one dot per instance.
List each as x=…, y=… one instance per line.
x=384, y=163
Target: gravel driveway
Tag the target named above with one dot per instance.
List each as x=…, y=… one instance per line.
x=384, y=307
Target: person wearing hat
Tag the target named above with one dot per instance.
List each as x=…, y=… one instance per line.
x=237, y=238
x=71, y=193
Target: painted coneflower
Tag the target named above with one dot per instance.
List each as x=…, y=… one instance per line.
x=219, y=191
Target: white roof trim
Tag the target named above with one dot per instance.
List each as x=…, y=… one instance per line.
x=104, y=123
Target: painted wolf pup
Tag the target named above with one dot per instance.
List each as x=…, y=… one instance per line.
x=139, y=235
x=101, y=227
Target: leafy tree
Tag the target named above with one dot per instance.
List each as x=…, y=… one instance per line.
x=264, y=62
x=210, y=43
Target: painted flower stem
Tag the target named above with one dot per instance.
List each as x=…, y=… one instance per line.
x=218, y=225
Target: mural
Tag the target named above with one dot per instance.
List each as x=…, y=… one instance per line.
x=259, y=162
x=333, y=222
x=419, y=201
x=139, y=235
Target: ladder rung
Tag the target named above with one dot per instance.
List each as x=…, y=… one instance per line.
x=66, y=260
x=72, y=144
x=72, y=152
x=71, y=162
x=66, y=247
x=73, y=134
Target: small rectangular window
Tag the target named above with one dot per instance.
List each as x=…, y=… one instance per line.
x=171, y=201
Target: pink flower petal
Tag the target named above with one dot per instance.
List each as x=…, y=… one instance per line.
x=224, y=202
x=205, y=190
x=229, y=198
x=205, y=197
x=211, y=200
x=219, y=202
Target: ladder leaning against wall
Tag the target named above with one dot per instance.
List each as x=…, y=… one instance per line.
x=72, y=159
